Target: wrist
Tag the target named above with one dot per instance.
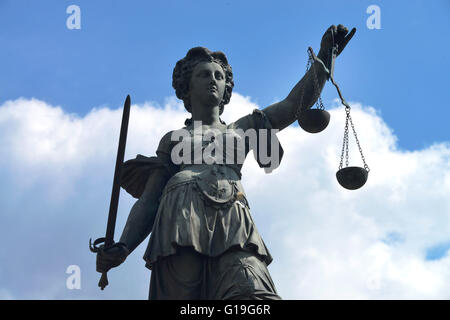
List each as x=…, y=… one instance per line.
x=324, y=55
x=125, y=251
x=321, y=68
x=125, y=248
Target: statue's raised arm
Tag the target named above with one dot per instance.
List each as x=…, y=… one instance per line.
x=304, y=94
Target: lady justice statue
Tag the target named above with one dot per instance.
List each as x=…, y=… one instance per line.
x=204, y=243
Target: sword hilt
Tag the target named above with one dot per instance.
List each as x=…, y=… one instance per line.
x=103, y=282
x=93, y=247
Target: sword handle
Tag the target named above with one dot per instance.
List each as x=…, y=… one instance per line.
x=103, y=280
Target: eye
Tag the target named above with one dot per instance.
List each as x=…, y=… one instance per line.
x=219, y=75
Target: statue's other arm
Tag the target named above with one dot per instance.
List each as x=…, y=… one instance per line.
x=142, y=215
x=307, y=91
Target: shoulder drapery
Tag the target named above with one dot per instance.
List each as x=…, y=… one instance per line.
x=265, y=141
x=135, y=172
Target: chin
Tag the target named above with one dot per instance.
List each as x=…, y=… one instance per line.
x=213, y=100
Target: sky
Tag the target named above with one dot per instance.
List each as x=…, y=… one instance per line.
x=61, y=94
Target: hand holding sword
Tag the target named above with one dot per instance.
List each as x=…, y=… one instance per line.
x=111, y=254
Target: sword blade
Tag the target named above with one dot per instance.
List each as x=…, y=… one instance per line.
x=109, y=238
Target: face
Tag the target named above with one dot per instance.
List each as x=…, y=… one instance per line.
x=207, y=84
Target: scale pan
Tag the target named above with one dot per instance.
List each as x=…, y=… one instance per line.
x=352, y=178
x=314, y=120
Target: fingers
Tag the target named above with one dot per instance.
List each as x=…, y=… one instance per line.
x=342, y=29
x=346, y=39
x=110, y=258
x=350, y=35
x=332, y=30
x=105, y=263
x=337, y=35
x=103, y=266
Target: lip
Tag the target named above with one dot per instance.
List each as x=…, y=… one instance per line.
x=213, y=89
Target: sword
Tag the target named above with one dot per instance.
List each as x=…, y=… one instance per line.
x=108, y=240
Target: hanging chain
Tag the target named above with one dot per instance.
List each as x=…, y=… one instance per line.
x=348, y=118
x=308, y=64
x=320, y=106
x=357, y=142
x=346, y=141
x=299, y=109
x=319, y=102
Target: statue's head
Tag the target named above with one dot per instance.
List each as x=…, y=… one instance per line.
x=182, y=74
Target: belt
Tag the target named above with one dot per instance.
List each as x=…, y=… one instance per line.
x=219, y=185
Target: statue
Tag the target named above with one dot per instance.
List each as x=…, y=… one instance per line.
x=203, y=243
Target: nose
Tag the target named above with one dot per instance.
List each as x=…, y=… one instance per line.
x=212, y=81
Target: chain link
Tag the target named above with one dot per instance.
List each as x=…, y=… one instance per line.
x=357, y=142
x=346, y=142
x=319, y=102
x=299, y=109
x=345, y=145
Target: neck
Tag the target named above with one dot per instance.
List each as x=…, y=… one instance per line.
x=208, y=115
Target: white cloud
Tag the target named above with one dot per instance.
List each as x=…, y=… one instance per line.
x=333, y=241
x=327, y=242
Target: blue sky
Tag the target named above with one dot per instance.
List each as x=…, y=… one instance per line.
x=60, y=91
x=125, y=47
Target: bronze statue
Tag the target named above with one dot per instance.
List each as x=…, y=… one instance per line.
x=204, y=244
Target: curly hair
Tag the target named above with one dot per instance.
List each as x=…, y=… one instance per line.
x=182, y=74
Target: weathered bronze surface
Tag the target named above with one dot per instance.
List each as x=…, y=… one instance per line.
x=204, y=244
x=352, y=178
x=314, y=120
